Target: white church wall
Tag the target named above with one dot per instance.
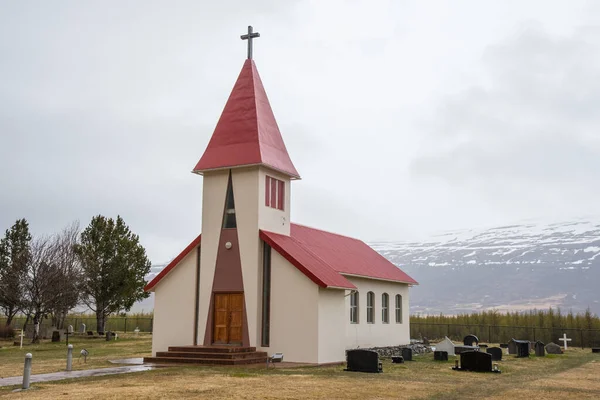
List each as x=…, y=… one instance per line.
x=174, y=306
x=377, y=334
x=294, y=313
x=332, y=314
x=246, y=195
x=213, y=203
x=272, y=219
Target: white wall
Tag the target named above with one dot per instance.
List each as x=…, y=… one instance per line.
x=174, y=306
x=294, y=313
x=332, y=317
x=377, y=334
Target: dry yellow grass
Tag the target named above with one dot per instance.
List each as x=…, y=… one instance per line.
x=569, y=376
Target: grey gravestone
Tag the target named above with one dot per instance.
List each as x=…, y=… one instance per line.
x=363, y=361
x=82, y=328
x=397, y=360
x=475, y=361
x=109, y=336
x=55, y=336
x=553, y=348
x=470, y=340
x=512, y=346
x=407, y=353
x=540, y=350
x=440, y=355
x=496, y=353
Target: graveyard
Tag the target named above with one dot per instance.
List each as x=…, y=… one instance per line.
x=571, y=375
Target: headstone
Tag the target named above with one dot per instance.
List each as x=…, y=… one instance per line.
x=523, y=347
x=475, y=361
x=109, y=336
x=362, y=361
x=471, y=340
x=512, y=346
x=55, y=336
x=397, y=360
x=564, y=339
x=504, y=345
x=101, y=333
x=82, y=328
x=407, y=353
x=70, y=329
x=446, y=345
x=496, y=353
x=540, y=350
x=90, y=333
x=553, y=348
x=595, y=349
x=440, y=355
x=462, y=349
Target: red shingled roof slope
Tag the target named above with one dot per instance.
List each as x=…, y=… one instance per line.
x=247, y=133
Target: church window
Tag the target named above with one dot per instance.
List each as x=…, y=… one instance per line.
x=385, y=314
x=274, y=193
x=266, y=297
x=354, y=307
x=398, y=309
x=370, y=308
x=229, y=217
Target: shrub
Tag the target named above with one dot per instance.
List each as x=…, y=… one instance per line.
x=7, y=332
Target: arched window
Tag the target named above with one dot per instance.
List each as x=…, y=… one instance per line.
x=370, y=308
x=354, y=307
x=398, y=309
x=385, y=304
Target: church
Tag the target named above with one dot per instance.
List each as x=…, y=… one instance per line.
x=255, y=282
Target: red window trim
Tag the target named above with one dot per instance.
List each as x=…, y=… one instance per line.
x=267, y=191
x=280, y=194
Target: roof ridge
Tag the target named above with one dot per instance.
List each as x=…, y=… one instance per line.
x=328, y=232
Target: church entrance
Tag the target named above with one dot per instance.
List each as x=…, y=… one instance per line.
x=227, y=326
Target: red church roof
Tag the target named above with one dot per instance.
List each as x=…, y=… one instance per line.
x=320, y=253
x=247, y=133
x=326, y=258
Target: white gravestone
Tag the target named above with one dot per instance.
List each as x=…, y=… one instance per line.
x=564, y=340
x=446, y=345
x=82, y=328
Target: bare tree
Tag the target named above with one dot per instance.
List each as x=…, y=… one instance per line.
x=51, y=280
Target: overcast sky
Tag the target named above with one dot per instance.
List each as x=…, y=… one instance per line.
x=403, y=117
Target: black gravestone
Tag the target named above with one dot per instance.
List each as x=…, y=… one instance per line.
x=470, y=340
x=523, y=347
x=407, y=353
x=439, y=355
x=362, y=361
x=475, y=361
x=109, y=336
x=90, y=333
x=397, y=360
x=55, y=336
x=504, y=345
x=540, y=349
x=512, y=346
x=496, y=353
x=595, y=349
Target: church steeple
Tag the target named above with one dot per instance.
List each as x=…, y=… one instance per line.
x=247, y=133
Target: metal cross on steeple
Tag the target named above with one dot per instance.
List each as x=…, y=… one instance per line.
x=249, y=36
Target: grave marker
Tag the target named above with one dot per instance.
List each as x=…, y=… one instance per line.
x=540, y=350
x=82, y=328
x=476, y=361
x=363, y=361
x=553, y=348
x=564, y=339
x=470, y=339
x=439, y=355
x=496, y=353
x=407, y=353
x=446, y=345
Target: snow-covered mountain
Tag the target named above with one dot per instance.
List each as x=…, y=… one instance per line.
x=512, y=267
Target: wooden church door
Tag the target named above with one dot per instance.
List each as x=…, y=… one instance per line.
x=229, y=308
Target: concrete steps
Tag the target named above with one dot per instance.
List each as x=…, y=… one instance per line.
x=209, y=355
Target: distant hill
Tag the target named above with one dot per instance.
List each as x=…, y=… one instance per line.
x=516, y=267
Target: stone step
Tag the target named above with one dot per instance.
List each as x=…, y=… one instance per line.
x=195, y=354
x=205, y=361
x=212, y=349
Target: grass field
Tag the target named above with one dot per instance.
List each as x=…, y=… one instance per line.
x=574, y=375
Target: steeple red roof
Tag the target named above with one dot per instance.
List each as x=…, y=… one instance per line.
x=247, y=133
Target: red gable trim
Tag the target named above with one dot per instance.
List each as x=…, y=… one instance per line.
x=272, y=240
x=172, y=264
